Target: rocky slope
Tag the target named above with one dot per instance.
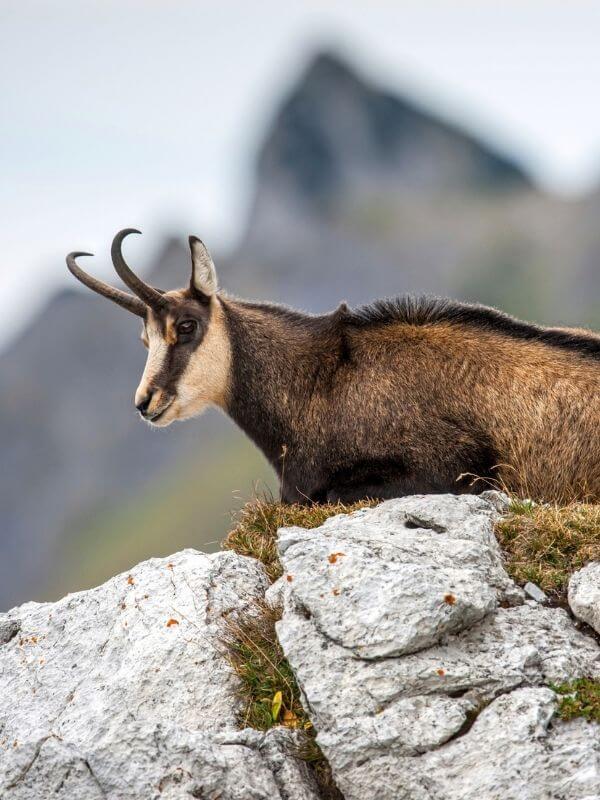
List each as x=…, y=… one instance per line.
x=426, y=671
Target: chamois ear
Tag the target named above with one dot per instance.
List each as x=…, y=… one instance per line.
x=204, y=274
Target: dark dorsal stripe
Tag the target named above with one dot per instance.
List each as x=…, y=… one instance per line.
x=432, y=310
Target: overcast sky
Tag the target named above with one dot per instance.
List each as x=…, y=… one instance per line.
x=148, y=112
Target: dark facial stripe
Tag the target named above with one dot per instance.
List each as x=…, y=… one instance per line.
x=176, y=361
x=173, y=367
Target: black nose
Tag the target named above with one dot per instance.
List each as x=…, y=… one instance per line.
x=144, y=404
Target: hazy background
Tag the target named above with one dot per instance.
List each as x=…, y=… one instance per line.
x=324, y=151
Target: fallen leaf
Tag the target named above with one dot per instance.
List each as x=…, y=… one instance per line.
x=276, y=706
x=130, y=580
x=333, y=557
x=441, y=672
x=290, y=720
x=172, y=622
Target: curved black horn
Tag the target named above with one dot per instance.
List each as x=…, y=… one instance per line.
x=123, y=299
x=152, y=297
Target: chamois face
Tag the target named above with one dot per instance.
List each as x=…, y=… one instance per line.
x=189, y=355
x=188, y=348
x=188, y=358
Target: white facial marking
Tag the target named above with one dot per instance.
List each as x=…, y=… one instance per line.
x=206, y=378
x=157, y=352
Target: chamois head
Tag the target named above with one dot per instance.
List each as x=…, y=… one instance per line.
x=188, y=360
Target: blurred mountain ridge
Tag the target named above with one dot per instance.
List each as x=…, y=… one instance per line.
x=358, y=194
x=336, y=137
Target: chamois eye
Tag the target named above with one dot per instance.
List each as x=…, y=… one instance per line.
x=187, y=327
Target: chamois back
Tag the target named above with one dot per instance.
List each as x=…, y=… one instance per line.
x=426, y=310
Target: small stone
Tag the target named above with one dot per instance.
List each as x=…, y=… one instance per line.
x=8, y=628
x=499, y=500
x=535, y=592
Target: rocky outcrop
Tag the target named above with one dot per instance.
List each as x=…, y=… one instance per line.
x=124, y=692
x=426, y=671
x=424, y=668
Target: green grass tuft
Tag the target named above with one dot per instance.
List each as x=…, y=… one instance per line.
x=579, y=698
x=269, y=690
x=546, y=544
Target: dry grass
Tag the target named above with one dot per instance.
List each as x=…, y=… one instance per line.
x=579, y=698
x=256, y=526
x=545, y=544
x=268, y=689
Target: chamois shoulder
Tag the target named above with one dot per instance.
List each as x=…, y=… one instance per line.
x=427, y=310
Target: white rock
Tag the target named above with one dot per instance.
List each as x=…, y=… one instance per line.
x=584, y=594
x=381, y=719
x=512, y=752
x=148, y=761
x=533, y=590
x=362, y=576
x=123, y=692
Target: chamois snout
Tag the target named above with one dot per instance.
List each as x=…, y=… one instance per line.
x=143, y=404
x=152, y=403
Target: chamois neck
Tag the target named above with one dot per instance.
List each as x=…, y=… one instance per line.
x=277, y=358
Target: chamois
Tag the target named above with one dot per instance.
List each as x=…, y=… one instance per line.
x=402, y=396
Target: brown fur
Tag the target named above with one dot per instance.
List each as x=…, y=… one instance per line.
x=391, y=408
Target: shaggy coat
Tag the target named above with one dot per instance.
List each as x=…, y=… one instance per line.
x=416, y=396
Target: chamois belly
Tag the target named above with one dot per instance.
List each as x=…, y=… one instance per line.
x=463, y=462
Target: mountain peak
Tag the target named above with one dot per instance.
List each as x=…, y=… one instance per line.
x=328, y=67
x=337, y=139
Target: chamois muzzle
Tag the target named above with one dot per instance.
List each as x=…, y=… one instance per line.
x=148, y=294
